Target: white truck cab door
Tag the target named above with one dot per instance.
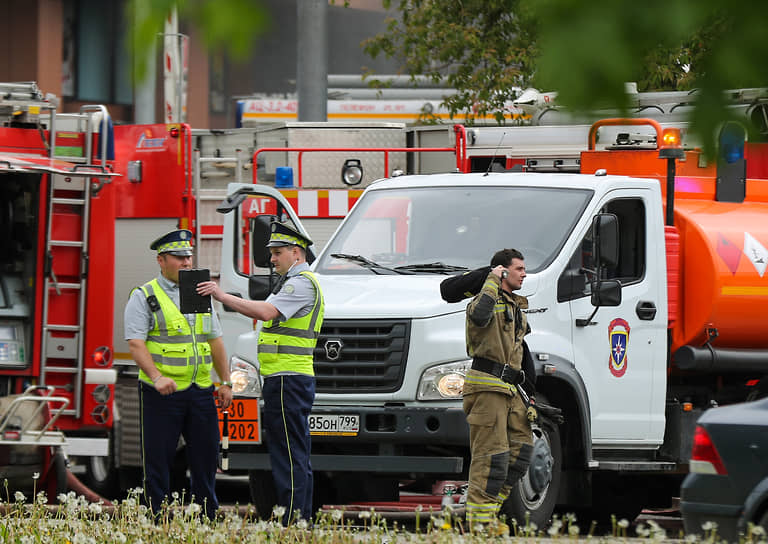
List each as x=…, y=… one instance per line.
x=621, y=353
x=245, y=270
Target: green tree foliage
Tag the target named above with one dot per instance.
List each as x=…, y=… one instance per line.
x=481, y=48
x=584, y=50
x=228, y=24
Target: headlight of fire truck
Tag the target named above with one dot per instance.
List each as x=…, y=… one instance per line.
x=445, y=381
x=245, y=377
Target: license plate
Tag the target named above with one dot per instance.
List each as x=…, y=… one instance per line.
x=243, y=425
x=334, y=425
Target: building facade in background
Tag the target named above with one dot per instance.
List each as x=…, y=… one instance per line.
x=80, y=51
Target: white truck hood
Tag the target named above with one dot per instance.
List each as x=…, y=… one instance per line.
x=389, y=296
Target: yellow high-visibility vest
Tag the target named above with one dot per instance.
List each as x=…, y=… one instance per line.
x=178, y=351
x=288, y=346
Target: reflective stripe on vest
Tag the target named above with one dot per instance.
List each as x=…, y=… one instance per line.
x=178, y=352
x=288, y=346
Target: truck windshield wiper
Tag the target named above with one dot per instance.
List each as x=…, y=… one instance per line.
x=367, y=263
x=435, y=268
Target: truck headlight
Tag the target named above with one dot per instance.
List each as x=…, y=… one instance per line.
x=245, y=377
x=444, y=381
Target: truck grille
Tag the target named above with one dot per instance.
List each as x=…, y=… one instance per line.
x=361, y=356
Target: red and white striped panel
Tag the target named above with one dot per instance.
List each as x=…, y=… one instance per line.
x=322, y=203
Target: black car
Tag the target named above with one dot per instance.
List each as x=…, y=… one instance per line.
x=728, y=480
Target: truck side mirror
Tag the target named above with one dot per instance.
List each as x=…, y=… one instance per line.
x=260, y=233
x=605, y=236
x=260, y=287
x=606, y=293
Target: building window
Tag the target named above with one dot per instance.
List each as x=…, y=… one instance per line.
x=104, y=62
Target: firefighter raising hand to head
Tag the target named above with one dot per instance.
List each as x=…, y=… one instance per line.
x=175, y=354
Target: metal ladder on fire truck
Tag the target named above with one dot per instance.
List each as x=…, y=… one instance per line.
x=67, y=246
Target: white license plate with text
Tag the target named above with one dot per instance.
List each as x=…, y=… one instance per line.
x=334, y=425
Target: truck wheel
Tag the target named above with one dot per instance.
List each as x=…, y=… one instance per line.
x=263, y=494
x=533, y=498
x=101, y=476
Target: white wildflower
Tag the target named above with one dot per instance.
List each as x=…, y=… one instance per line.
x=642, y=531
x=119, y=537
x=690, y=539
x=193, y=509
x=94, y=508
x=623, y=523
x=758, y=530
x=278, y=511
x=336, y=515
x=573, y=530
x=709, y=526
x=552, y=531
x=19, y=496
x=419, y=507
x=364, y=515
x=302, y=524
x=36, y=476
x=42, y=498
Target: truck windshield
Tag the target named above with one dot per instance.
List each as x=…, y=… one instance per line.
x=446, y=229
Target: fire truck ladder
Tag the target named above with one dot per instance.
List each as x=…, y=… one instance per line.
x=62, y=346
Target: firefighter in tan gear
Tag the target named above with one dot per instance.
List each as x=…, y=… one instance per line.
x=499, y=428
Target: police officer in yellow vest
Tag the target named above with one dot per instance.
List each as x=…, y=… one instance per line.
x=291, y=324
x=175, y=354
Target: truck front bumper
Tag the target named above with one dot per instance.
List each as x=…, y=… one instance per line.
x=404, y=438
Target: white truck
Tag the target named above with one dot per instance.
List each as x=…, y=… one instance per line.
x=622, y=340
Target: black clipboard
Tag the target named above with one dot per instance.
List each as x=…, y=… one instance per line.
x=190, y=302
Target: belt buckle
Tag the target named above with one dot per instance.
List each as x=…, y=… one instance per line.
x=506, y=374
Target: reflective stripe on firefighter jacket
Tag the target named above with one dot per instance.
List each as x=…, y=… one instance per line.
x=288, y=346
x=178, y=352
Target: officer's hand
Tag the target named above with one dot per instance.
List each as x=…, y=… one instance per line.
x=165, y=386
x=498, y=270
x=224, y=397
x=532, y=414
x=208, y=288
x=552, y=413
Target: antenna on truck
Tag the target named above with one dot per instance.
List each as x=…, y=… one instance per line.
x=490, y=164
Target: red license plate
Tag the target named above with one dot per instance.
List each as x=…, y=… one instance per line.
x=243, y=424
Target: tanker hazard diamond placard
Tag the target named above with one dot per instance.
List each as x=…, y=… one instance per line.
x=756, y=253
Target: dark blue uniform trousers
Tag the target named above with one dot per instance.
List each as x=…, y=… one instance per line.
x=287, y=404
x=192, y=414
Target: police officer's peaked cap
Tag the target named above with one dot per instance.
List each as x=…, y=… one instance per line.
x=283, y=235
x=176, y=242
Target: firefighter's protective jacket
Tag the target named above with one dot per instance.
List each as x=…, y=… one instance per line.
x=496, y=326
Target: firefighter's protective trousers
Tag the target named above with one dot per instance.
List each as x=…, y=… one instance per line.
x=499, y=432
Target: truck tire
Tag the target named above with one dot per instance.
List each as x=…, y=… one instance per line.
x=101, y=476
x=533, y=498
x=263, y=494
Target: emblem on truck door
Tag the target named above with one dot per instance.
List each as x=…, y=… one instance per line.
x=618, y=334
x=333, y=349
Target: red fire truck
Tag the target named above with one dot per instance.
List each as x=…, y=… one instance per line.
x=79, y=202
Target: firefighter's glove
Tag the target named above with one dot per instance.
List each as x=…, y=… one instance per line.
x=552, y=413
x=532, y=414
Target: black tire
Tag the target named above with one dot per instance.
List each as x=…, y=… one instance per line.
x=534, y=497
x=101, y=476
x=57, y=477
x=764, y=521
x=263, y=494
